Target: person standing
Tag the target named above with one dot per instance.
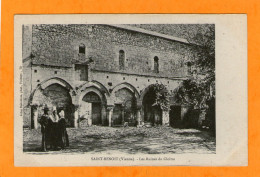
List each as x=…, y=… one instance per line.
x=55, y=135
x=64, y=139
x=55, y=115
x=46, y=129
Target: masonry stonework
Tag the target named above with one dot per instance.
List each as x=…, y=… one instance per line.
x=52, y=60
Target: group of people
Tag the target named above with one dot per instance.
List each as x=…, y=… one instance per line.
x=53, y=128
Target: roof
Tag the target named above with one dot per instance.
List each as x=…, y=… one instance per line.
x=152, y=33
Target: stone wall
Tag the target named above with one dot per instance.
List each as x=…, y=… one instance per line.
x=140, y=82
x=26, y=91
x=59, y=45
x=27, y=40
x=52, y=50
x=43, y=73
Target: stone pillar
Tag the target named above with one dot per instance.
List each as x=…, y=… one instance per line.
x=103, y=114
x=123, y=115
x=76, y=116
x=110, y=114
x=165, y=117
x=35, y=116
x=138, y=116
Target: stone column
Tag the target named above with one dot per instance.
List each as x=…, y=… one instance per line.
x=138, y=116
x=165, y=117
x=76, y=116
x=35, y=116
x=103, y=114
x=139, y=112
x=123, y=115
x=110, y=114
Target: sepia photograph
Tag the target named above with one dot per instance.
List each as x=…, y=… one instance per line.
x=137, y=88
x=122, y=90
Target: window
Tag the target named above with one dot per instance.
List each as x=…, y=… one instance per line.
x=121, y=59
x=156, y=64
x=55, y=72
x=81, y=72
x=35, y=71
x=82, y=48
x=188, y=67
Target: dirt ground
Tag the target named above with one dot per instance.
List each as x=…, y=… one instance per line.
x=129, y=140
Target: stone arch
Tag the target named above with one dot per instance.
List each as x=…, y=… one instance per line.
x=94, y=86
x=151, y=114
x=91, y=111
x=124, y=97
x=94, y=89
x=54, y=93
x=102, y=87
x=48, y=82
x=144, y=91
x=127, y=86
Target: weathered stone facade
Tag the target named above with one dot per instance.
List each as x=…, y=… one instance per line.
x=99, y=74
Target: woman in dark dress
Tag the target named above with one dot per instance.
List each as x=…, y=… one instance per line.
x=63, y=136
x=46, y=129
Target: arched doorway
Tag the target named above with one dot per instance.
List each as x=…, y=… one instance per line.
x=124, y=110
x=152, y=113
x=91, y=108
x=55, y=96
x=175, y=116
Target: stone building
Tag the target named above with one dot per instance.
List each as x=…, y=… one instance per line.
x=101, y=74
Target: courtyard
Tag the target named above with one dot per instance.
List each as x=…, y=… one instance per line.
x=127, y=140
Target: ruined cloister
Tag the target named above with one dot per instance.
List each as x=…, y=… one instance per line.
x=93, y=102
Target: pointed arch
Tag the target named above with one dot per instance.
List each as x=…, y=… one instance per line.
x=88, y=89
x=51, y=81
x=96, y=84
x=143, y=93
x=127, y=86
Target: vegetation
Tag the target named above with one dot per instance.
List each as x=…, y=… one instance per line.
x=162, y=98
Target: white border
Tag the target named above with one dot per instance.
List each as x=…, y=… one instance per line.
x=231, y=90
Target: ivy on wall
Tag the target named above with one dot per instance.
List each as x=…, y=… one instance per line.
x=162, y=96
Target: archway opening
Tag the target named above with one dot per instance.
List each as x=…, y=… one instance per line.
x=175, y=116
x=125, y=107
x=91, y=108
x=152, y=112
x=56, y=97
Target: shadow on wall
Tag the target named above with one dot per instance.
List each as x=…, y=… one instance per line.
x=187, y=117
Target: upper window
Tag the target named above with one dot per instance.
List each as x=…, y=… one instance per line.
x=121, y=59
x=82, y=48
x=156, y=64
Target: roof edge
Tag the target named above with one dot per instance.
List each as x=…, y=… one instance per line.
x=152, y=33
